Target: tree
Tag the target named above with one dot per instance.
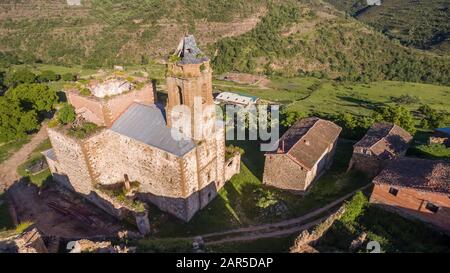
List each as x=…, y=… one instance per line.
x=14, y=122
x=288, y=118
x=398, y=115
x=14, y=78
x=38, y=97
x=432, y=118
x=48, y=76
x=66, y=114
x=69, y=77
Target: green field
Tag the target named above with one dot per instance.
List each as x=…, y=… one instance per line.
x=329, y=97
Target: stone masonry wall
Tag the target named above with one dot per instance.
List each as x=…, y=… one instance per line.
x=282, y=172
x=367, y=164
x=71, y=161
x=411, y=202
x=93, y=105
x=160, y=174
x=118, y=104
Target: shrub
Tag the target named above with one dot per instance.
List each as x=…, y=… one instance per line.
x=66, y=114
x=69, y=77
x=354, y=208
x=48, y=76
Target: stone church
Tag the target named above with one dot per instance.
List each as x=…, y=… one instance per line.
x=135, y=139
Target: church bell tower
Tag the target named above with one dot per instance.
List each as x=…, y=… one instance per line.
x=189, y=87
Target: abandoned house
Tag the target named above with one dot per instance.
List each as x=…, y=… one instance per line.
x=303, y=153
x=415, y=187
x=382, y=142
x=134, y=144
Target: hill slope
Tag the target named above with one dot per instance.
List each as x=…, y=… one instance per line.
x=423, y=24
x=262, y=36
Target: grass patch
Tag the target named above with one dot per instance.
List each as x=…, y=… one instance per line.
x=266, y=245
x=7, y=149
x=166, y=245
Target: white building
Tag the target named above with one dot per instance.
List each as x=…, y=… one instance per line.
x=233, y=98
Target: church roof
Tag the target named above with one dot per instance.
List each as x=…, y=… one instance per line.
x=146, y=123
x=188, y=51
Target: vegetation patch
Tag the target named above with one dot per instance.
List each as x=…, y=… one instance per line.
x=392, y=231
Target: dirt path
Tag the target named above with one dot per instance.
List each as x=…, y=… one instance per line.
x=285, y=227
x=8, y=169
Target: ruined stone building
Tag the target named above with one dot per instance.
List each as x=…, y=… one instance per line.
x=135, y=141
x=303, y=153
x=382, y=142
x=417, y=188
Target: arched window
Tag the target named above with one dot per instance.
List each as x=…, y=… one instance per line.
x=180, y=95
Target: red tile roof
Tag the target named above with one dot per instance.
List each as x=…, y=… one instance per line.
x=385, y=140
x=422, y=174
x=308, y=139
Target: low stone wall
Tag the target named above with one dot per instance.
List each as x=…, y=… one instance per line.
x=306, y=240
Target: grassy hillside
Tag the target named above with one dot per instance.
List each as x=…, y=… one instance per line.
x=106, y=32
x=283, y=37
x=423, y=24
x=298, y=38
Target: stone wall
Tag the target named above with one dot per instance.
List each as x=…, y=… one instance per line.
x=282, y=172
x=92, y=106
x=71, y=162
x=367, y=164
x=105, y=111
x=412, y=203
x=232, y=166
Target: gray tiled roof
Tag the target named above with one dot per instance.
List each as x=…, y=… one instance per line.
x=146, y=123
x=189, y=52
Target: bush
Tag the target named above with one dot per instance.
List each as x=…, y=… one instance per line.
x=14, y=78
x=15, y=121
x=84, y=130
x=48, y=76
x=37, y=97
x=397, y=115
x=66, y=114
x=406, y=99
x=69, y=77
x=354, y=208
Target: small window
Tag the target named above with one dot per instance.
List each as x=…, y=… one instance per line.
x=393, y=191
x=209, y=195
x=432, y=207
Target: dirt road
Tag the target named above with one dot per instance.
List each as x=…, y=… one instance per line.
x=8, y=169
x=282, y=228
